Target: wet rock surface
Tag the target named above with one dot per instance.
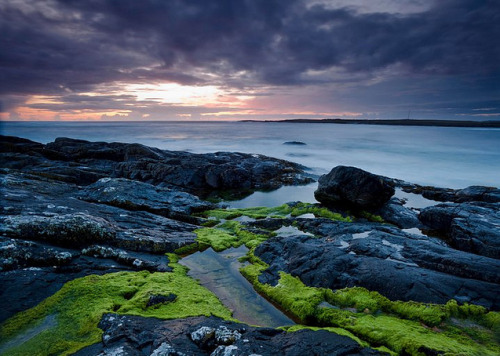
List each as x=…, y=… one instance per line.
x=73, y=208
x=469, y=194
x=133, y=335
x=83, y=162
x=396, y=213
x=473, y=226
x=399, y=265
x=49, y=236
x=353, y=187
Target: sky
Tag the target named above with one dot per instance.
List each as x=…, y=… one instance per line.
x=192, y=60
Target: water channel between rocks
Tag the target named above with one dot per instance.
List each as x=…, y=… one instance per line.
x=219, y=272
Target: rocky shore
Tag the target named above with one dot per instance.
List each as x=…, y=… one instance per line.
x=91, y=235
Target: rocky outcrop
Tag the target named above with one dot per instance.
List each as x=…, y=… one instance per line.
x=83, y=162
x=133, y=195
x=469, y=194
x=212, y=336
x=472, y=227
x=398, y=265
x=396, y=213
x=353, y=188
x=49, y=235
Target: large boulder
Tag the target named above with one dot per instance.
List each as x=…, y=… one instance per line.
x=354, y=188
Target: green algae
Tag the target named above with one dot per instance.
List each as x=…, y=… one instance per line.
x=229, y=234
x=401, y=327
x=281, y=211
x=80, y=304
x=371, y=217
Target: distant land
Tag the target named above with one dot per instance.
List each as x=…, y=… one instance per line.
x=404, y=122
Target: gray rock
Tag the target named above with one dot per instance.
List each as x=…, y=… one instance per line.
x=169, y=336
x=398, y=265
x=472, y=227
x=84, y=162
x=133, y=195
x=396, y=213
x=353, y=187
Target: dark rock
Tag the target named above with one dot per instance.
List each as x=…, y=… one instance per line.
x=295, y=143
x=15, y=254
x=469, y=194
x=133, y=195
x=396, y=213
x=353, y=187
x=160, y=299
x=84, y=162
x=398, y=265
x=213, y=336
x=65, y=230
x=72, y=238
x=471, y=227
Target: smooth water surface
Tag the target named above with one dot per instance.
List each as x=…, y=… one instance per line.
x=219, y=272
x=439, y=156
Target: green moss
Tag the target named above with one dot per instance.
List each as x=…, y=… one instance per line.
x=80, y=304
x=187, y=249
x=276, y=212
x=371, y=217
x=229, y=234
x=401, y=327
x=319, y=212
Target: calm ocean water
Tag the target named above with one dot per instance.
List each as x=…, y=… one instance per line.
x=438, y=156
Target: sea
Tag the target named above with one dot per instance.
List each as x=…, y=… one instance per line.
x=450, y=157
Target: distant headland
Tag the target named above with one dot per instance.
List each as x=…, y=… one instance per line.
x=403, y=122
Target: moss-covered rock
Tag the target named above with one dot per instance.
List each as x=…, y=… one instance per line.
x=401, y=327
x=80, y=304
x=294, y=210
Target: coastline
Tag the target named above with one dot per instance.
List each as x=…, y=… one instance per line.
x=403, y=122
x=95, y=236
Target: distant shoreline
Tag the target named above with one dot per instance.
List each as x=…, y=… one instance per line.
x=404, y=122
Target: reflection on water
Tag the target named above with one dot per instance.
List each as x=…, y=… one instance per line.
x=219, y=272
x=414, y=201
x=304, y=193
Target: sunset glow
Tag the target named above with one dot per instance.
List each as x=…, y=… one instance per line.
x=298, y=59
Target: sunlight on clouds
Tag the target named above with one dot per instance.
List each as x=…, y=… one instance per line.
x=172, y=93
x=24, y=113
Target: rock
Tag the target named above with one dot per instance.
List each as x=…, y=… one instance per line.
x=160, y=299
x=15, y=254
x=83, y=162
x=353, y=187
x=72, y=238
x=471, y=227
x=65, y=230
x=469, y=194
x=396, y=213
x=133, y=195
x=398, y=265
x=199, y=336
x=295, y=143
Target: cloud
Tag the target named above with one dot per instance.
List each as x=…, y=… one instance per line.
x=59, y=47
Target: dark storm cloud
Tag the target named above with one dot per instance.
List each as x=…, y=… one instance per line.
x=73, y=45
